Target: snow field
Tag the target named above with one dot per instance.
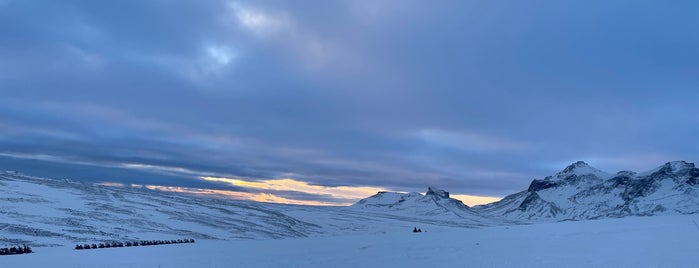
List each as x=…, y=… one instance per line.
x=660, y=241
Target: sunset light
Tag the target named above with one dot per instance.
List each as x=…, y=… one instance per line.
x=341, y=195
x=339, y=192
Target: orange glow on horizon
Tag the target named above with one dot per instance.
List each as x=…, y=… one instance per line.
x=258, y=197
x=339, y=192
x=473, y=200
x=349, y=194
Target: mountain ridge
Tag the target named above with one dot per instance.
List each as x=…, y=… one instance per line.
x=581, y=192
x=434, y=203
x=577, y=192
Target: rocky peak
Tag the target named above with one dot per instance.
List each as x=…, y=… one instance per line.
x=676, y=166
x=580, y=169
x=431, y=191
x=575, y=166
x=671, y=169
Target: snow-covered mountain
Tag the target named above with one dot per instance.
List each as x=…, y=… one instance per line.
x=42, y=211
x=435, y=203
x=53, y=212
x=581, y=192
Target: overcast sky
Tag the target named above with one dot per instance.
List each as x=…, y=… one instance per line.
x=476, y=97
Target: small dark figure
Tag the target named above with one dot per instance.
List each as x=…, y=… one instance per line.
x=93, y=246
x=79, y=247
x=414, y=229
x=419, y=230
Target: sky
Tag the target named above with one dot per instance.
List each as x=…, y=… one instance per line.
x=326, y=102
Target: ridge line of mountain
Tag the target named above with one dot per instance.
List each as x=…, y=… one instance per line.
x=577, y=192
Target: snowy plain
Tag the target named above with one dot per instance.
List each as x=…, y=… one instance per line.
x=660, y=241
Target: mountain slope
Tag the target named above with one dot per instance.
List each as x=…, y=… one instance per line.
x=434, y=204
x=50, y=212
x=583, y=192
x=55, y=211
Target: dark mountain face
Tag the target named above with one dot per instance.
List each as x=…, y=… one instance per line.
x=437, y=193
x=537, y=185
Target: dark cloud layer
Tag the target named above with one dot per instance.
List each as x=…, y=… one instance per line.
x=478, y=97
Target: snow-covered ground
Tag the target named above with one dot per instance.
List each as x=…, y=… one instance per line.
x=660, y=241
x=54, y=215
x=47, y=212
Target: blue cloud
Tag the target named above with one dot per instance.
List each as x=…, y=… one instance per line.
x=475, y=97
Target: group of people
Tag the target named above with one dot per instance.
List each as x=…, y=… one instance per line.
x=15, y=250
x=417, y=230
x=133, y=244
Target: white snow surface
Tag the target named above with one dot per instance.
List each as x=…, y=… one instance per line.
x=47, y=212
x=660, y=241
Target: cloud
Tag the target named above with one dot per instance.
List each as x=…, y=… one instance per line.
x=259, y=22
x=221, y=54
x=259, y=197
x=282, y=191
x=89, y=59
x=467, y=141
x=474, y=97
x=310, y=200
x=338, y=192
x=292, y=38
